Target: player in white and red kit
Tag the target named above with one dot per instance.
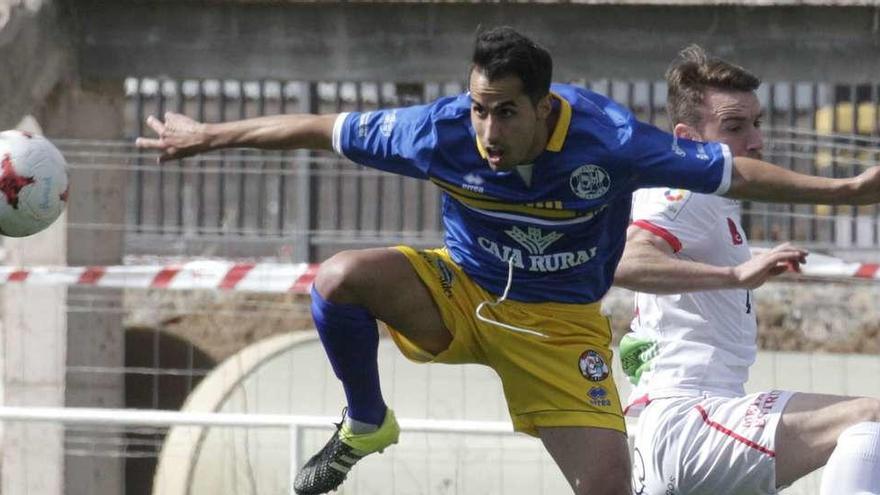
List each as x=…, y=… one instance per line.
x=694, y=334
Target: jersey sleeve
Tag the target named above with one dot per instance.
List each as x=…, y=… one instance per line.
x=396, y=140
x=678, y=216
x=660, y=159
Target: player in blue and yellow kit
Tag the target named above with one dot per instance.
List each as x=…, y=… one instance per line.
x=537, y=184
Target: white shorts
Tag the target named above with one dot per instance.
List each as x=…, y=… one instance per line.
x=708, y=445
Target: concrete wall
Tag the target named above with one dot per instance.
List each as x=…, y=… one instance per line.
x=92, y=109
x=34, y=56
x=33, y=345
x=330, y=40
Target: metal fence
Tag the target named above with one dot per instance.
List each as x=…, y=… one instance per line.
x=307, y=205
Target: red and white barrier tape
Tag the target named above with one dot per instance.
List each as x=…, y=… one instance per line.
x=822, y=266
x=203, y=274
x=282, y=277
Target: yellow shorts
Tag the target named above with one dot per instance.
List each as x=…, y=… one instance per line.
x=560, y=379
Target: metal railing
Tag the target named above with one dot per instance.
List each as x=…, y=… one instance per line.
x=305, y=205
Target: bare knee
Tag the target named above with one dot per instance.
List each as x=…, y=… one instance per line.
x=867, y=409
x=339, y=279
x=613, y=480
x=593, y=460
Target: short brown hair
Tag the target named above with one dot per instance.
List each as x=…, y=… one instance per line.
x=691, y=74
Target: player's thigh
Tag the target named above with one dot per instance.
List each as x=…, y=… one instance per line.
x=810, y=426
x=593, y=460
x=384, y=281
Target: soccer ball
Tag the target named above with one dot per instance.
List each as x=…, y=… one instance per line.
x=33, y=183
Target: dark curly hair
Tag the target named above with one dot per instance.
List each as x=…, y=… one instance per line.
x=502, y=51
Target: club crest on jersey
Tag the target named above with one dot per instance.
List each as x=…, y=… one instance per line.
x=590, y=181
x=593, y=366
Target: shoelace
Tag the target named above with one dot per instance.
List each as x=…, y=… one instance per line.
x=499, y=301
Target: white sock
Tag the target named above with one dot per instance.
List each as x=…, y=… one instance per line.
x=854, y=466
x=359, y=427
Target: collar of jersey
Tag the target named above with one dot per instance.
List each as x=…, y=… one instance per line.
x=557, y=139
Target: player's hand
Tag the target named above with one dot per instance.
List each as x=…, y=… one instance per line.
x=867, y=190
x=179, y=137
x=762, y=266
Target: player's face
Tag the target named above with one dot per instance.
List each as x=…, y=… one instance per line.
x=511, y=128
x=733, y=118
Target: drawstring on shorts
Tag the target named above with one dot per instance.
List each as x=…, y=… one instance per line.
x=499, y=301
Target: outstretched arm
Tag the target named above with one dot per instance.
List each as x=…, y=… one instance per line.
x=761, y=181
x=648, y=265
x=180, y=136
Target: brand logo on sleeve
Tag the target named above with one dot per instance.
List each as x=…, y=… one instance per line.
x=676, y=148
x=388, y=123
x=363, y=124
x=701, y=152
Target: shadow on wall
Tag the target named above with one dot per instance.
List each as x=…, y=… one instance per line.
x=154, y=349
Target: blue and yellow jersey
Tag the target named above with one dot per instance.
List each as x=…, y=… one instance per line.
x=564, y=231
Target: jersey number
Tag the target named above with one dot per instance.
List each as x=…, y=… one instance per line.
x=748, y=302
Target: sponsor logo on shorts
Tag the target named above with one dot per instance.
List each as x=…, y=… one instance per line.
x=638, y=473
x=446, y=276
x=756, y=414
x=599, y=397
x=533, y=239
x=670, y=486
x=593, y=366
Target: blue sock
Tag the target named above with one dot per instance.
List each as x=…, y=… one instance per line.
x=351, y=340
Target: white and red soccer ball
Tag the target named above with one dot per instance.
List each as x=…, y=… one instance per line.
x=33, y=183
